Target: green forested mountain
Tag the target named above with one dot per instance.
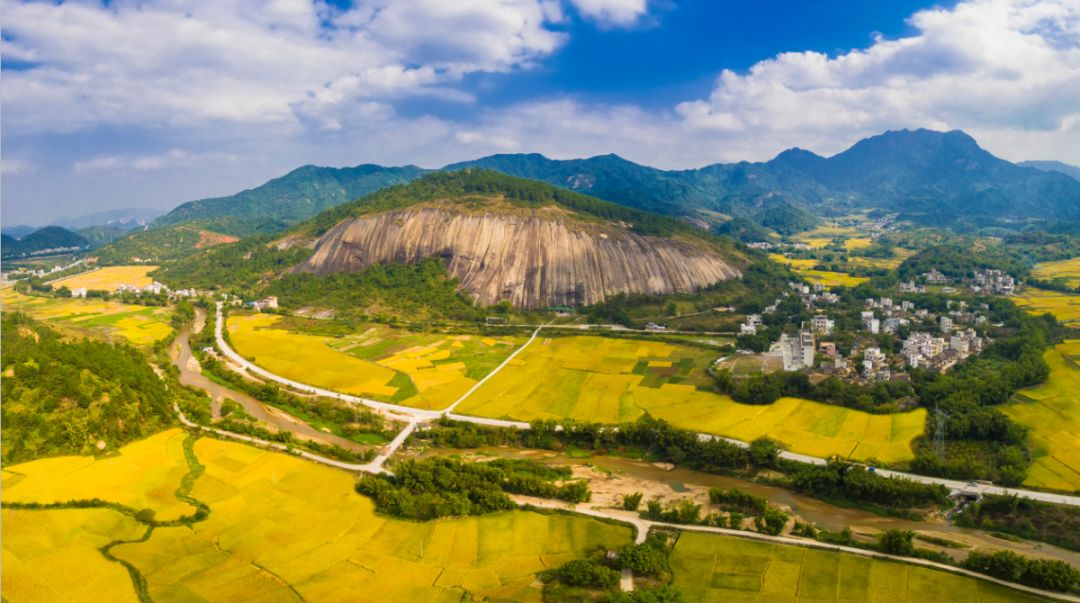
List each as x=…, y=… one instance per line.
x=284, y=201
x=930, y=177
x=159, y=244
x=101, y=234
x=1053, y=166
x=941, y=178
x=42, y=240
x=62, y=397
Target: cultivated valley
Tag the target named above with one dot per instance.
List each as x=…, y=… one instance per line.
x=546, y=301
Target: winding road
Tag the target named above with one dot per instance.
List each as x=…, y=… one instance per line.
x=642, y=526
x=418, y=415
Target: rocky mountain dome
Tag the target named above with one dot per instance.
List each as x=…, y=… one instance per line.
x=535, y=256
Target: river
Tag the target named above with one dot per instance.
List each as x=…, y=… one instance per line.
x=618, y=475
x=274, y=419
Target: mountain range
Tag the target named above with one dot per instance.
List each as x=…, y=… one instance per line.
x=941, y=178
x=41, y=241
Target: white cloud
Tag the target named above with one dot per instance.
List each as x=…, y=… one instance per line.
x=986, y=66
x=173, y=158
x=196, y=62
x=15, y=166
x=613, y=13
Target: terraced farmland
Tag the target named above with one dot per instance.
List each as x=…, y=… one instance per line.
x=109, y=278
x=615, y=380
x=140, y=325
x=721, y=569
x=1052, y=413
x=281, y=528
x=423, y=370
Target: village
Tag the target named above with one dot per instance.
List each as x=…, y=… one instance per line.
x=879, y=339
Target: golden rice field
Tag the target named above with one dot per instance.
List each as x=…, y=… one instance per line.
x=1065, y=269
x=54, y=556
x=1052, y=413
x=140, y=325
x=711, y=568
x=610, y=380
x=857, y=243
x=794, y=263
x=1064, y=306
x=831, y=279
x=281, y=528
x=419, y=370
x=144, y=476
x=109, y=278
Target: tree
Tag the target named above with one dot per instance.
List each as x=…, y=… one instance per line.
x=631, y=502
x=897, y=542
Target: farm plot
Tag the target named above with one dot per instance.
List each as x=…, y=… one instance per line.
x=1064, y=306
x=1069, y=270
x=711, y=568
x=108, y=278
x=281, y=528
x=615, y=380
x=144, y=475
x=423, y=370
x=1051, y=412
x=140, y=325
x=831, y=279
x=54, y=556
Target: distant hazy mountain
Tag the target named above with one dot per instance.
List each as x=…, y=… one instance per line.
x=928, y=176
x=942, y=178
x=1053, y=166
x=127, y=218
x=41, y=241
x=287, y=200
x=18, y=231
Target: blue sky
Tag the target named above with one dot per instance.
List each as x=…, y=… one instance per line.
x=153, y=103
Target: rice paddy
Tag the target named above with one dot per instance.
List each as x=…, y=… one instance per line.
x=1051, y=411
x=1069, y=270
x=140, y=325
x=281, y=528
x=144, y=476
x=423, y=370
x=831, y=279
x=109, y=278
x=1064, y=306
x=54, y=556
x=616, y=380
x=711, y=568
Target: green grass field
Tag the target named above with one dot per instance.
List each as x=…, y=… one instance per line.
x=1052, y=413
x=721, y=569
x=281, y=528
x=140, y=325
x=423, y=370
x=616, y=380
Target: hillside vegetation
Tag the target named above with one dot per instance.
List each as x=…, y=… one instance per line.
x=284, y=201
x=73, y=397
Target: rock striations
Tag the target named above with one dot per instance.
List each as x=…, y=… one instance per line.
x=535, y=258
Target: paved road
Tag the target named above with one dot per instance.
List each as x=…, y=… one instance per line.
x=364, y=468
x=450, y=409
x=427, y=415
x=642, y=526
x=414, y=413
x=191, y=376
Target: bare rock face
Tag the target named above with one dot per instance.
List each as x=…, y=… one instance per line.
x=535, y=258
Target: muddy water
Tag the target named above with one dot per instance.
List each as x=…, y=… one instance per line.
x=191, y=376
x=672, y=482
